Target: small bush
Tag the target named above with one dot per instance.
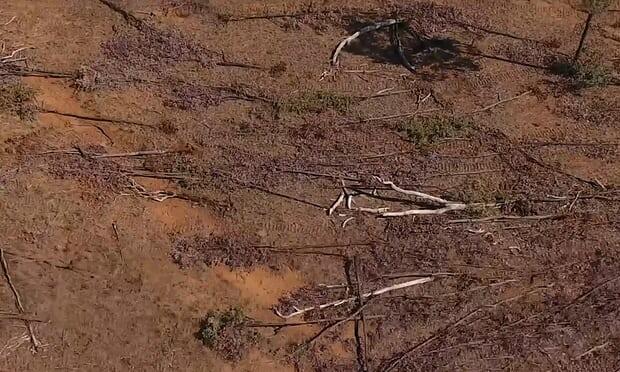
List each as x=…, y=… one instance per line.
x=582, y=75
x=425, y=131
x=17, y=99
x=316, y=102
x=225, y=333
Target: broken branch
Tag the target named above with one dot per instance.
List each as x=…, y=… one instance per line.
x=363, y=30
x=18, y=302
x=374, y=293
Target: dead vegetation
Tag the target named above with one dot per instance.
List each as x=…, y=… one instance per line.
x=462, y=247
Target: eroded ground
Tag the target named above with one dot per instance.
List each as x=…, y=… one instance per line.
x=166, y=168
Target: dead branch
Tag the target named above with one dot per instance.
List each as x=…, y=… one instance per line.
x=9, y=21
x=389, y=117
x=18, y=302
x=24, y=317
x=309, y=322
x=336, y=203
x=364, y=30
x=94, y=118
x=504, y=218
x=332, y=326
x=129, y=18
x=315, y=174
x=229, y=18
x=544, y=165
x=43, y=261
x=158, y=195
x=445, y=205
x=363, y=342
x=593, y=349
x=114, y=155
x=394, y=362
x=374, y=293
x=16, y=71
x=501, y=102
x=158, y=175
x=589, y=292
x=399, y=48
x=385, y=93
x=11, y=57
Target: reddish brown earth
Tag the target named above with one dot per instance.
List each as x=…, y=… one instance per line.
x=113, y=280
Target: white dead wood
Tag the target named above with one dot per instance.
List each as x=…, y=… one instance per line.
x=336, y=204
x=11, y=57
x=443, y=205
x=364, y=30
x=374, y=293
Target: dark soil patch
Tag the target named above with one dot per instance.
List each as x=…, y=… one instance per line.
x=215, y=250
x=97, y=174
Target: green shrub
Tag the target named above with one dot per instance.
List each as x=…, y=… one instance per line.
x=17, y=99
x=316, y=102
x=428, y=130
x=582, y=75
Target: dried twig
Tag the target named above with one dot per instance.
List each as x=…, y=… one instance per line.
x=130, y=18
x=114, y=155
x=445, y=205
x=309, y=322
x=504, y=218
x=593, y=349
x=363, y=343
x=395, y=116
x=158, y=195
x=11, y=57
x=336, y=203
x=24, y=317
x=364, y=30
x=374, y=293
x=94, y=118
x=590, y=291
x=18, y=302
x=399, y=48
x=501, y=102
x=394, y=362
x=16, y=71
x=43, y=261
x=9, y=21
x=332, y=326
x=13, y=343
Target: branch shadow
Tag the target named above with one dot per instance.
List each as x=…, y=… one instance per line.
x=433, y=56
